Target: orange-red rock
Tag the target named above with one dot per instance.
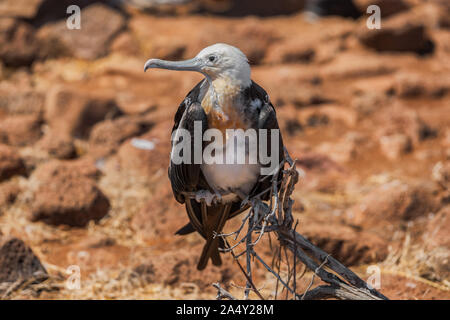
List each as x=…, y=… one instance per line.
x=10, y=163
x=393, y=203
x=99, y=25
x=8, y=193
x=345, y=244
x=73, y=112
x=65, y=192
x=18, y=45
x=107, y=136
x=58, y=146
x=66, y=170
x=20, y=130
x=399, y=33
x=72, y=202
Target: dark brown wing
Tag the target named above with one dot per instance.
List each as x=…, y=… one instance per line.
x=267, y=119
x=187, y=177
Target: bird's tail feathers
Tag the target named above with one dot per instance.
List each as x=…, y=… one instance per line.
x=217, y=217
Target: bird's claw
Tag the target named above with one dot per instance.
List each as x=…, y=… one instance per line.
x=207, y=196
x=218, y=198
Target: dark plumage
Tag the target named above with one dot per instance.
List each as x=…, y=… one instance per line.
x=189, y=177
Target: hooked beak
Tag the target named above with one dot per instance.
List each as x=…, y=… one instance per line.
x=185, y=65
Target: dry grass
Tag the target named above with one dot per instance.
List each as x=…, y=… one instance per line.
x=413, y=261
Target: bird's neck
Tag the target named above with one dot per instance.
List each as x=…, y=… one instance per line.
x=226, y=91
x=221, y=104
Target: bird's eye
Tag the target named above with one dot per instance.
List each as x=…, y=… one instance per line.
x=212, y=58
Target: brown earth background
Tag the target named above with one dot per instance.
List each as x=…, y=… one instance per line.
x=85, y=142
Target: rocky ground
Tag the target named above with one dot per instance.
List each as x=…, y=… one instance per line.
x=85, y=138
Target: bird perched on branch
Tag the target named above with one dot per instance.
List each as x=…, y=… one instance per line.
x=227, y=98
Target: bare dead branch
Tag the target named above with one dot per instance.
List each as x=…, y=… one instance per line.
x=249, y=280
x=222, y=293
x=313, y=276
x=249, y=257
x=277, y=217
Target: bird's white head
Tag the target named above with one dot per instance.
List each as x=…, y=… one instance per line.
x=217, y=61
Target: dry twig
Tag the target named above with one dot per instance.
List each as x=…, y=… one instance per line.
x=222, y=293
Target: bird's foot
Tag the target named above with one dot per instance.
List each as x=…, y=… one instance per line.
x=208, y=197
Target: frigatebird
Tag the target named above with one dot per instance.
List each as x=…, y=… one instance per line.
x=225, y=99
